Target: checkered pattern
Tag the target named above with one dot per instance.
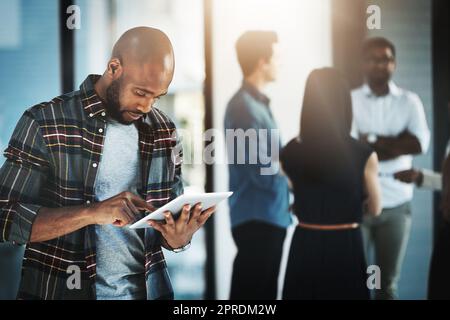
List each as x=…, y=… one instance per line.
x=52, y=161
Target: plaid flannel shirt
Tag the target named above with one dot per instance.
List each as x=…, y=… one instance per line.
x=52, y=161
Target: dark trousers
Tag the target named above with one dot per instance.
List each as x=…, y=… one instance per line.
x=439, y=279
x=257, y=262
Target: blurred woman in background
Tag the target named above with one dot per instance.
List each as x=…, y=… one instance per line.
x=335, y=181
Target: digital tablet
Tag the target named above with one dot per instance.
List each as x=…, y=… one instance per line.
x=175, y=206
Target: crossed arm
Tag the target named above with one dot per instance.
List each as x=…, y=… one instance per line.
x=388, y=148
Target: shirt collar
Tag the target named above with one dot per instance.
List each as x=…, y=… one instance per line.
x=393, y=89
x=92, y=104
x=255, y=93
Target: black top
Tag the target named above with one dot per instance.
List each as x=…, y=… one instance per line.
x=333, y=195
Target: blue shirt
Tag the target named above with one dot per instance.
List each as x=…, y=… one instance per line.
x=257, y=196
x=120, y=251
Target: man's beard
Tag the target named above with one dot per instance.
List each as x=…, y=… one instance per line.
x=113, y=102
x=379, y=79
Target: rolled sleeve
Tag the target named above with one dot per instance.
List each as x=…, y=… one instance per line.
x=431, y=180
x=21, y=179
x=418, y=122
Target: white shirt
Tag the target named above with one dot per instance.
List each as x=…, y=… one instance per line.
x=390, y=115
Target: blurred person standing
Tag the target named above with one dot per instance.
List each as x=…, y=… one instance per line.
x=259, y=208
x=335, y=181
x=439, y=276
x=393, y=122
x=423, y=178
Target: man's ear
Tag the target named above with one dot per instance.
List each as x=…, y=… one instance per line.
x=114, y=68
x=260, y=65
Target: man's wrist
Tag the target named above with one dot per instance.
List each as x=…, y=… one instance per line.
x=86, y=214
x=184, y=247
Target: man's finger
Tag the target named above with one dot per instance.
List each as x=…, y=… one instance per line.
x=132, y=207
x=205, y=216
x=140, y=203
x=403, y=177
x=399, y=174
x=127, y=214
x=209, y=211
x=169, y=219
x=133, y=211
x=197, y=211
x=185, y=213
x=157, y=226
x=123, y=210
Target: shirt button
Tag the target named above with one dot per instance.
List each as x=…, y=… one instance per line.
x=100, y=130
x=91, y=115
x=103, y=114
x=94, y=165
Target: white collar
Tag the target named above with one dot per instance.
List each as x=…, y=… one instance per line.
x=393, y=89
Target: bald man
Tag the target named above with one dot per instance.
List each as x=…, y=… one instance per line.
x=80, y=168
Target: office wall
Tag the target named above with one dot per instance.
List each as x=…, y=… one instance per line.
x=29, y=64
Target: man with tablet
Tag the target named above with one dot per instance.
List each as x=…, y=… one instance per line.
x=81, y=167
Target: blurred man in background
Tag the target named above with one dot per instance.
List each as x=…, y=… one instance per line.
x=393, y=122
x=259, y=208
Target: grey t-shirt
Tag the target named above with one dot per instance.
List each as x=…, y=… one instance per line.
x=120, y=251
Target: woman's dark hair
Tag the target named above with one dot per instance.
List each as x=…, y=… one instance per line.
x=327, y=107
x=326, y=122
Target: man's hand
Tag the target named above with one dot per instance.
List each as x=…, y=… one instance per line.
x=410, y=176
x=178, y=233
x=119, y=210
x=391, y=147
x=363, y=137
x=382, y=153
